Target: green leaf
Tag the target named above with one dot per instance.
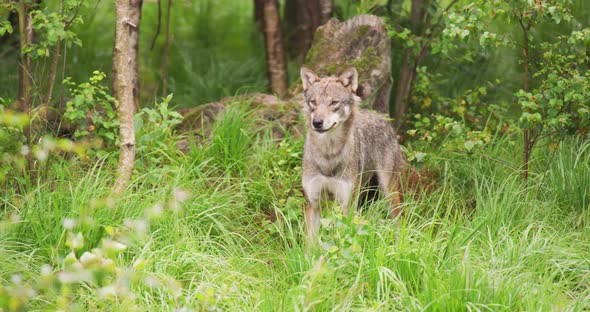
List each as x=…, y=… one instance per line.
x=419, y=156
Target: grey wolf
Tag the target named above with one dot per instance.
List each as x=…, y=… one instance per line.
x=345, y=147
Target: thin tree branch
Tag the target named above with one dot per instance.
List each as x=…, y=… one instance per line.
x=54, y=63
x=547, y=167
x=78, y=6
x=158, y=26
x=165, y=53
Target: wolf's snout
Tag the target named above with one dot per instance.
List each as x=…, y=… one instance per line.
x=317, y=123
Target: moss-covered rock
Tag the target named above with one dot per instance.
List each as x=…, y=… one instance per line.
x=267, y=110
x=361, y=42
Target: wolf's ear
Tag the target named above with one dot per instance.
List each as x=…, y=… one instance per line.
x=350, y=78
x=308, y=77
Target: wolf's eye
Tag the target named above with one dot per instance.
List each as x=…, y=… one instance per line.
x=311, y=103
x=334, y=103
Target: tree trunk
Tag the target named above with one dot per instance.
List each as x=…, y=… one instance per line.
x=134, y=37
x=165, y=52
x=302, y=18
x=54, y=64
x=528, y=141
x=259, y=14
x=404, y=85
x=133, y=22
x=276, y=58
x=128, y=15
x=409, y=65
x=326, y=9
x=25, y=90
x=53, y=73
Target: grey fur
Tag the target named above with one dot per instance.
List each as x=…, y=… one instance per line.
x=347, y=148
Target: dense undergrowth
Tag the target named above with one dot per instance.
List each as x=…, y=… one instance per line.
x=220, y=228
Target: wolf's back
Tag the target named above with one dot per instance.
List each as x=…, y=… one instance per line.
x=375, y=133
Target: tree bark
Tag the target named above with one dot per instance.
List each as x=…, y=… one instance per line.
x=409, y=67
x=404, y=85
x=54, y=64
x=25, y=89
x=528, y=140
x=302, y=18
x=134, y=21
x=134, y=37
x=526, y=154
x=128, y=15
x=53, y=73
x=259, y=14
x=276, y=58
x=165, y=52
x=326, y=9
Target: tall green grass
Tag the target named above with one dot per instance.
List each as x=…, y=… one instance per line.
x=481, y=240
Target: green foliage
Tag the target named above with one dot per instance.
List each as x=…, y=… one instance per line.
x=459, y=123
x=558, y=106
x=467, y=119
x=154, y=129
x=231, y=141
x=278, y=176
x=11, y=142
x=53, y=27
x=463, y=120
x=159, y=124
x=16, y=152
x=92, y=110
x=5, y=28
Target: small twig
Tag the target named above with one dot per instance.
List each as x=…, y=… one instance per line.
x=68, y=23
x=547, y=168
x=500, y=161
x=129, y=23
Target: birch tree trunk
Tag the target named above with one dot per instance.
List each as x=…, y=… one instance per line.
x=125, y=80
x=276, y=57
x=134, y=19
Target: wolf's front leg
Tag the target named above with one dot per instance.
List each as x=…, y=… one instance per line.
x=345, y=191
x=312, y=188
x=312, y=220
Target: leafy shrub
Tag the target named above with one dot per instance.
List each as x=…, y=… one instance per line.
x=154, y=131
x=93, y=110
x=559, y=105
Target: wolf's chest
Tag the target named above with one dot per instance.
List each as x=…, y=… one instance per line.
x=333, y=159
x=331, y=167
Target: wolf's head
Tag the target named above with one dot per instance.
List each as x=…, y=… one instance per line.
x=329, y=101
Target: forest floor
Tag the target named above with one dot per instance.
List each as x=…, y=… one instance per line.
x=220, y=228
